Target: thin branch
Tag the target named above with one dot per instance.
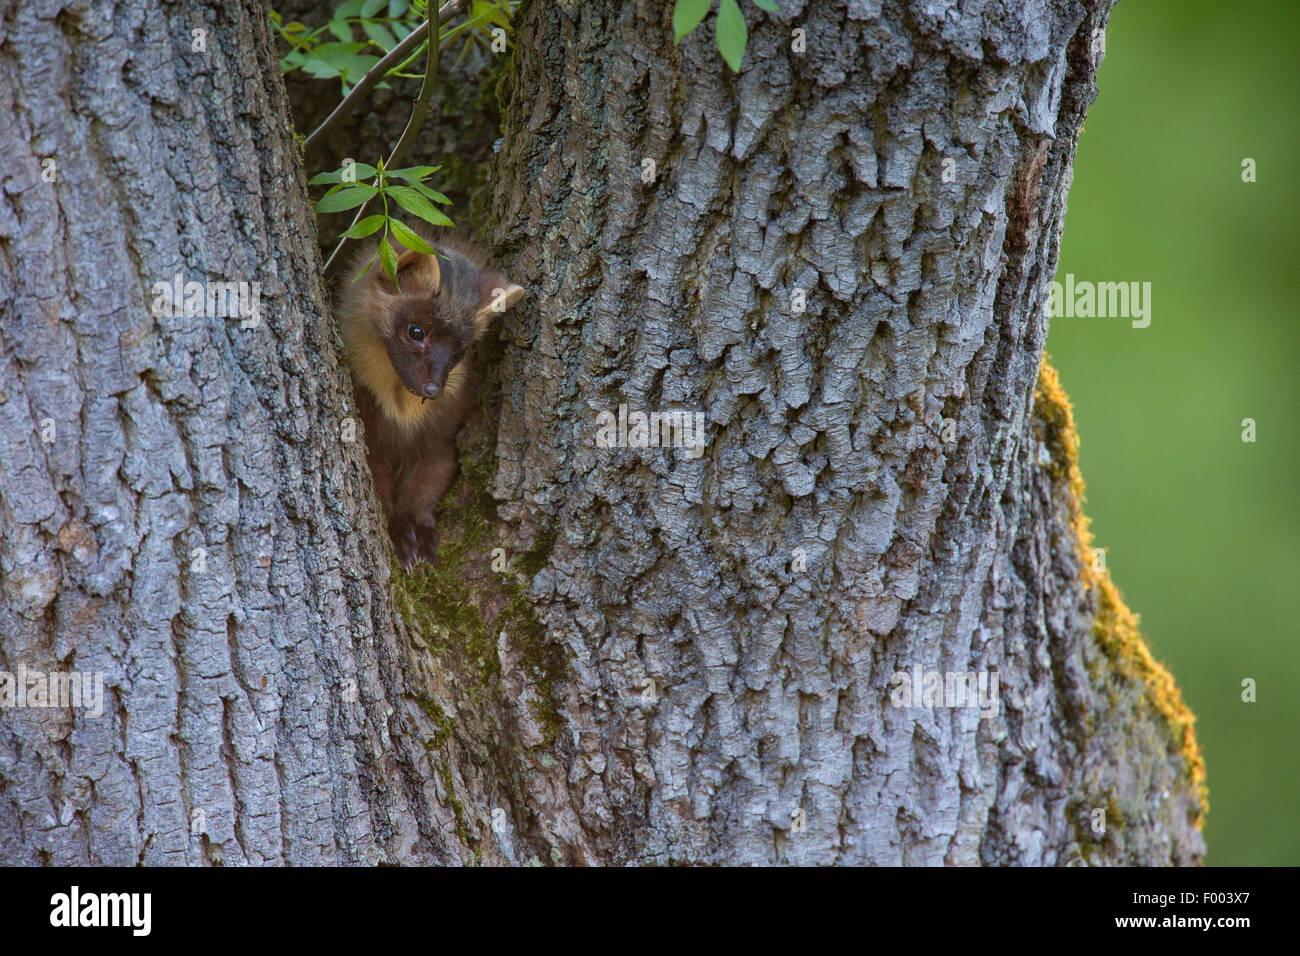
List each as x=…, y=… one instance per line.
x=377, y=72
x=422, y=108
x=419, y=112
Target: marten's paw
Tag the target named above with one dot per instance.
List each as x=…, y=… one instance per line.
x=414, y=540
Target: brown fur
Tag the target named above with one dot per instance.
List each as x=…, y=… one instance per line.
x=405, y=338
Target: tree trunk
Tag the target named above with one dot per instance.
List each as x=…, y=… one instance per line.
x=178, y=512
x=684, y=659
x=880, y=490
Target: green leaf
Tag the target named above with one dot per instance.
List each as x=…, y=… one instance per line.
x=431, y=193
x=338, y=55
x=334, y=59
x=359, y=65
x=341, y=30
x=414, y=203
x=348, y=198
x=362, y=170
x=413, y=173
x=489, y=11
x=320, y=69
x=731, y=33
x=501, y=15
x=388, y=258
x=397, y=7
x=768, y=5
x=359, y=230
x=687, y=15
x=379, y=34
x=331, y=51
x=371, y=7
x=349, y=8
x=409, y=239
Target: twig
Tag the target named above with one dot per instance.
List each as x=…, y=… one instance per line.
x=377, y=72
x=419, y=112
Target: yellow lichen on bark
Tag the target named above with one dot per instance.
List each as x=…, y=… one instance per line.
x=1115, y=626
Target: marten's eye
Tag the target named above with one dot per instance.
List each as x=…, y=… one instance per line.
x=416, y=332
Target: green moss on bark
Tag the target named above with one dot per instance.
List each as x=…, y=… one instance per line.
x=459, y=605
x=1115, y=627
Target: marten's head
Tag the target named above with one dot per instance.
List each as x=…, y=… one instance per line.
x=407, y=338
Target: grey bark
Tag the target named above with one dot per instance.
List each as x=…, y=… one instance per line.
x=508, y=718
x=247, y=687
x=821, y=172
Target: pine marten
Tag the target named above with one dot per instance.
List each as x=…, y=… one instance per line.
x=407, y=346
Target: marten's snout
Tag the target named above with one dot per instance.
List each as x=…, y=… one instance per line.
x=440, y=361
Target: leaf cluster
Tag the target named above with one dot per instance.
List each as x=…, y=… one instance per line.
x=729, y=29
x=361, y=32
x=382, y=24
x=396, y=188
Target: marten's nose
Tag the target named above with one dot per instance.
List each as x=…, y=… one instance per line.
x=432, y=390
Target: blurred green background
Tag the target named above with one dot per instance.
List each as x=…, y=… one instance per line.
x=1201, y=529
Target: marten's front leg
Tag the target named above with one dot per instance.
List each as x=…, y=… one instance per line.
x=413, y=525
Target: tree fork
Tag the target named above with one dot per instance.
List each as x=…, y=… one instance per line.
x=687, y=659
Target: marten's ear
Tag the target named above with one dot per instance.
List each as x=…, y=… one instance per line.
x=498, y=299
x=416, y=272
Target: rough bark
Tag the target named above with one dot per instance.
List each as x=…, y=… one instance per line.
x=506, y=717
x=247, y=688
x=821, y=172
